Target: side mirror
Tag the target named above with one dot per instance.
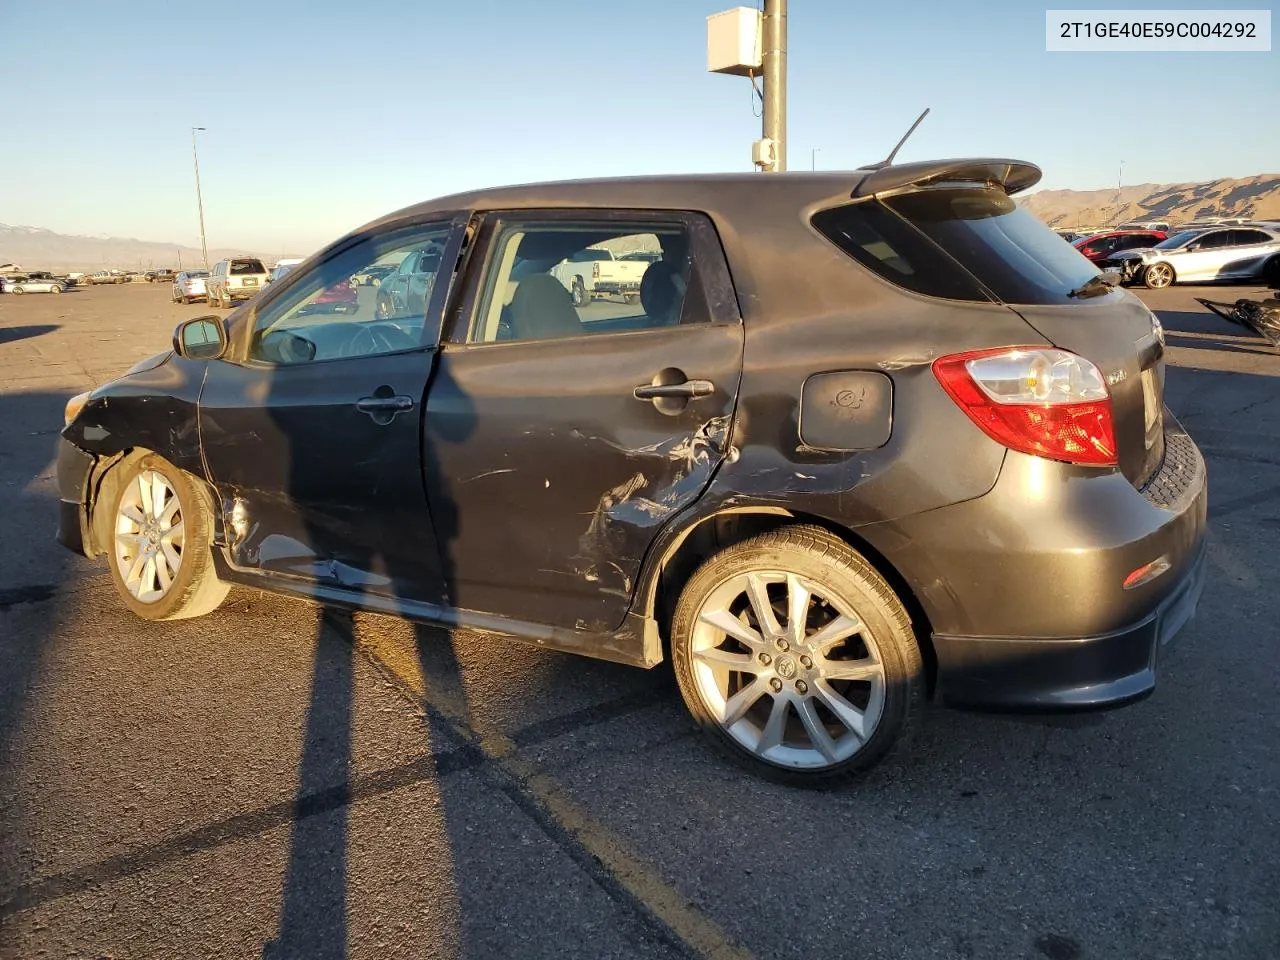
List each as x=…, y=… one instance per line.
x=203, y=338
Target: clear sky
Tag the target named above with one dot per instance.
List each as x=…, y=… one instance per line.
x=324, y=115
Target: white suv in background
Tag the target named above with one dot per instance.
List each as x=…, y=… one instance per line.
x=238, y=278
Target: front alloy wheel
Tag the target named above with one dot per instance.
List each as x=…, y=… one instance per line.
x=161, y=537
x=1158, y=275
x=795, y=656
x=149, y=536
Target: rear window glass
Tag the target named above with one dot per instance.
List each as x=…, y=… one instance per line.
x=246, y=266
x=957, y=242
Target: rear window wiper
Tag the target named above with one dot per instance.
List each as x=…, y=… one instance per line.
x=1094, y=286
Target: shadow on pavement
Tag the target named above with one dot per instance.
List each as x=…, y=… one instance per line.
x=14, y=334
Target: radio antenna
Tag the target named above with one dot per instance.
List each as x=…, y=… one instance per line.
x=888, y=161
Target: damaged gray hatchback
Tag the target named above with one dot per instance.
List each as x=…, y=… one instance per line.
x=831, y=443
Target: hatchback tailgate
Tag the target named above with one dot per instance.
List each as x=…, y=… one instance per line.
x=1118, y=334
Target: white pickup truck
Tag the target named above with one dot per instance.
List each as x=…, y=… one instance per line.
x=598, y=273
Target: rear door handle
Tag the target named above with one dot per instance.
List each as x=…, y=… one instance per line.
x=384, y=404
x=688, y=390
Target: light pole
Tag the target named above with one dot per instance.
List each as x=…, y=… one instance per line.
x=195, y=159
x=774, y=66
x=813, y=158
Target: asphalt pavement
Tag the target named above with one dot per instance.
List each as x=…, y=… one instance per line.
x=276, y=781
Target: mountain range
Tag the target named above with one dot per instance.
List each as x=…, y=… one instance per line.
x=1257, y=198
x=35, y=248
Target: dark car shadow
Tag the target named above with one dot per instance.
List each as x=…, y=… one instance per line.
x=14, y=334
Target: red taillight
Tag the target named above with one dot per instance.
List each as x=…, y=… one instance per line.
x=1037, y=400
x=595, y=269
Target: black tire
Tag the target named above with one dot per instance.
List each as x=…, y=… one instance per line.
x=195, y=588
x=18, y=291
x=580, y=296
x=55, y=289
x=821, y=559
x=1271, y=273
x=1159, y=275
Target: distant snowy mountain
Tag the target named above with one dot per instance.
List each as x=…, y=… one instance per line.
x=39, y=249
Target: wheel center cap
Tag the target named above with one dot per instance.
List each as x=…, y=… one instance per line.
x=785, y=667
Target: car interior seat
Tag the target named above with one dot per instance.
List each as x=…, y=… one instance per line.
x=541, y=309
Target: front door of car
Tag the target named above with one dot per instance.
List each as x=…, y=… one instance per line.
x=1205, y=257
x=312, y=431
x=559, y=439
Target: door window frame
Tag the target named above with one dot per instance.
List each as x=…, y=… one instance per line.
x=242, y=339
x=707, y=255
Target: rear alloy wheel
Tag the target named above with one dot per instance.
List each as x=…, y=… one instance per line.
x=55, y=289
x=1271, y=273
x=1158, y=276
x=161, y=559
x=18, y=290
x=795, y=657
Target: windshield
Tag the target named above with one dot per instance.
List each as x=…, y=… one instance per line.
x=1177, y=240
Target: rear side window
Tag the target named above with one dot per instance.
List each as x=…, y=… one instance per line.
x=239, y=267
x=877, y=238
x=961, y=243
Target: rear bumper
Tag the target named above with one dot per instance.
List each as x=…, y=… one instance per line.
x=75, y=467
x=1067, y=674
x=1024, y=588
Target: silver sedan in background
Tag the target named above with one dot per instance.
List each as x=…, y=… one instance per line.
x=1242, y=252
x=33, y=285
x=189, y=285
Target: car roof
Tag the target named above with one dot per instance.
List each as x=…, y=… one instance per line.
x=727, y=193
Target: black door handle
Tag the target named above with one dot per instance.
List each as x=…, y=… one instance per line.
x=688, y=390
x=383, y=404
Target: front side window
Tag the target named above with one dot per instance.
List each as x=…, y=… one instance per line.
x=1214, y=240
x=323, y=315
x=550, y=278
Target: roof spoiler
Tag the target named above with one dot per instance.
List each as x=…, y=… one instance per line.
x=1011, y=175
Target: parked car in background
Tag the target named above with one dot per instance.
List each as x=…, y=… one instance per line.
x=237, y=278
x=34, y=285
x=1204, y=256
x=596, y=272
x=164, y=275
x=1161, y=226
x=407, y=290
x=1100, y=247
x=188, y=286
x=281, y=269
x=7, y=280
x=373, y=276
x=104, y=276
x=981, y=494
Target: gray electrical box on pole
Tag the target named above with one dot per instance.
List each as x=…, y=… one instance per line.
x=742, y=42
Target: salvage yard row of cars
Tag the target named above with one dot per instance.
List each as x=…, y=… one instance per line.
x=852, y=441
x=1240, y=251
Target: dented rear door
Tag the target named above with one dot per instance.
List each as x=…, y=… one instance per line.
x=548, y=476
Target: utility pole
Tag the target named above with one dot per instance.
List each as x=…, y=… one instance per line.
x=813, y=158
x=774, y=65
x=195, y=159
